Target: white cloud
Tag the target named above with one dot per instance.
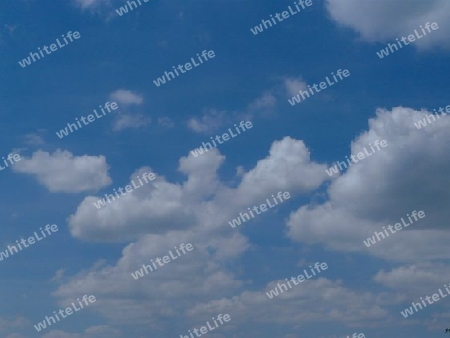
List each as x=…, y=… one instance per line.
x=161, y=206
x=127, y=97
x=64, y=172
x=411, y=173
x=385, y=20
x=161, y=215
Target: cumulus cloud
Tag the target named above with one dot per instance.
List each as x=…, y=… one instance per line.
x=161, y=215
x=160, y=206
x=64, y=172
x=385, y=20
x=411, y=173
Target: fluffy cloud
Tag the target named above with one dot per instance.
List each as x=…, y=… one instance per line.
x=411, y=173
x=161, y=215
x=64, y=172
x=384, y=20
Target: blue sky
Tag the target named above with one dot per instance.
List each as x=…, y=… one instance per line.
x=192, y=199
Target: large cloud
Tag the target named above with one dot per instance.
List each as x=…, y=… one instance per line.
x=384, y=20
x=411, y=173
x=161, y=215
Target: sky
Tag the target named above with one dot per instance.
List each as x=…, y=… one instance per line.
x=161, y=127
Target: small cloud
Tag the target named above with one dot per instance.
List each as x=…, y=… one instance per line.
x=294, y=85
x=126, y=97
x=166, y=122
x=209, y=122
x=34, y=139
